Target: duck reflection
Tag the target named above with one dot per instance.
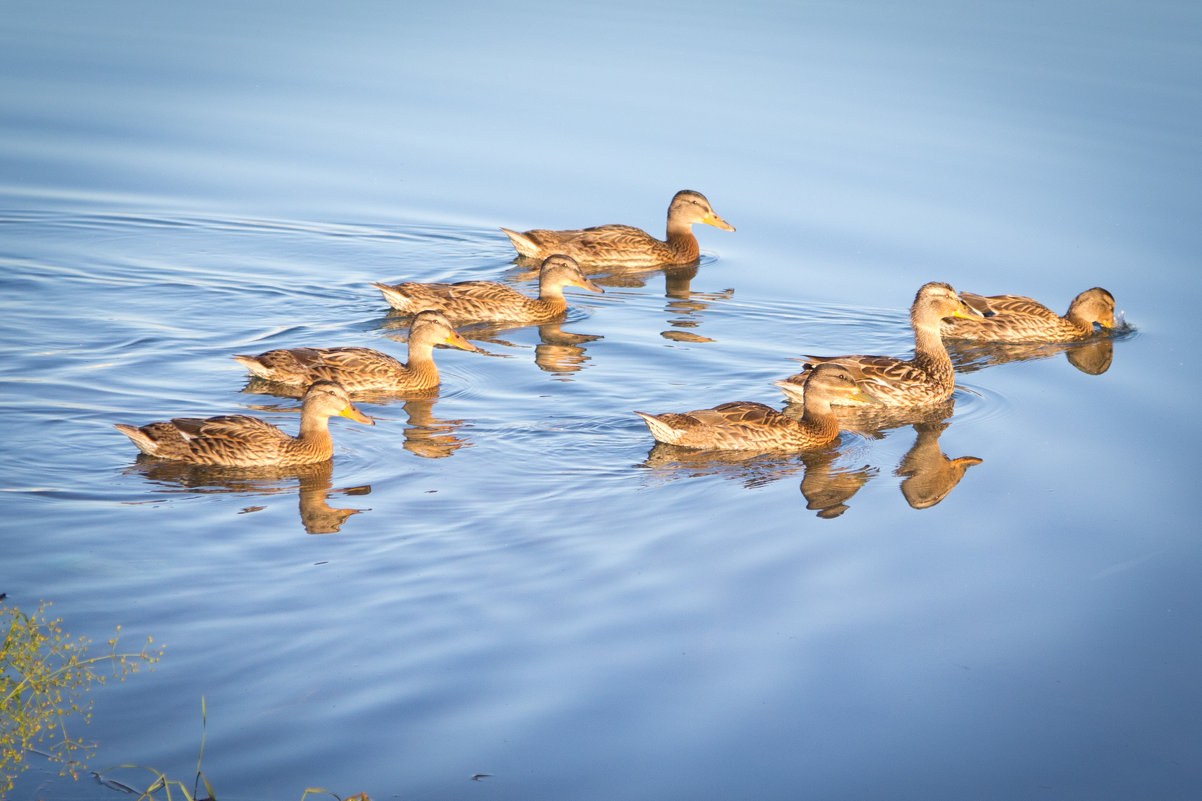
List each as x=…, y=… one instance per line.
x=684, y=307
x=752, y=468
x=872, y=421
x=558, y=351
x=828, y=488
x=561, y=351
x=425, y=434
x=928, y=474
x=313, y=485
x=1092, y=357
x=825, y=486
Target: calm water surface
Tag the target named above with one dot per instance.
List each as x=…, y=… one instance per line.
x=507, y=578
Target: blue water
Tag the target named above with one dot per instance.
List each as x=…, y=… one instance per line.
x=508, y=579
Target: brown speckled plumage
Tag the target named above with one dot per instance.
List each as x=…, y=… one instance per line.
x=1021, y=319
x=750, y=425
x=241, y=441
x=488, y=301
x=926, y=378
x=364, y=369
x=625, y=245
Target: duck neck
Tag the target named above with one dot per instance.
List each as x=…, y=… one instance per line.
x=682, y=242
x=925, y=450
x=1079, y=320
x=550, y=297
x=929, y=351
x=818, y=418
x=315, y=434
x=421, y=361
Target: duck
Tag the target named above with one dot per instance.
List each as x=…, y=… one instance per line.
x=489, y=301
x=364, y=369
x=926, y=378
x=1014, y=318
x=241, y=441
x=625, y=245
x=741, y=425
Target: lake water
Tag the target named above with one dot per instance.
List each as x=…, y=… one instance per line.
x=508, y=579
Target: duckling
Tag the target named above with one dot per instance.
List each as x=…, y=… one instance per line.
x=926, y=378
x=1021, y=319
x=488, y=301
x=364, y=369
x=241, y=441
x=750, y=425
x=625, y=245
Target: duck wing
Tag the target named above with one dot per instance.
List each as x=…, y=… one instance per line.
x=1008, y=304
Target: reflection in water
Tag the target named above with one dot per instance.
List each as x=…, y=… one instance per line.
x=426, y=435
x=262, y=386
x=826, y=488
x=558, y=351
x=752, y=468
x=871, y=421
x=684, y=306
x=1092, y=357
x=929, y=474
x=313, y=484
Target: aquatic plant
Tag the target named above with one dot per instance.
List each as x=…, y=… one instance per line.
x=45, y=676
x=161, y=784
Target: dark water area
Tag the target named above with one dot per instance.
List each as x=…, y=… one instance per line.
x=506, y=577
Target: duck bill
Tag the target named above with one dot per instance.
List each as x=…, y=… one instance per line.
x=456, y=340
x=967, y=312
x=861, y=396
x=717, y=222
x=584, y=283
x=352, y=413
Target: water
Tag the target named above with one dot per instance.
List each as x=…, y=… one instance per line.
x=508, y=579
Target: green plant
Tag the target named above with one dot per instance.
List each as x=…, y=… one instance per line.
x=164, y=785
x=45, y=677
x=161, y=782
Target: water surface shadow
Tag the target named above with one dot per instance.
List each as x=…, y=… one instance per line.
x=1093, y=356
x=425, y=435
x=557, y=351
x=826, y=486
x=313, y=485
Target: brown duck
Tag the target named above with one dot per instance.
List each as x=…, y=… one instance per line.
x=1015, y=318
x=748, y=425
x=364, y=369
x=926, y=378
x=625, y=245
x=241, y=441
x=489, y=301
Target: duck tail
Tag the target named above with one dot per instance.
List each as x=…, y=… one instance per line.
x=659, y=429
x=138, y=436
x=252, y=364
x=396, y=299
x=524, y=245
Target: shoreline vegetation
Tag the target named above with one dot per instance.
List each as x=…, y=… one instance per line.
x=46, y=677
